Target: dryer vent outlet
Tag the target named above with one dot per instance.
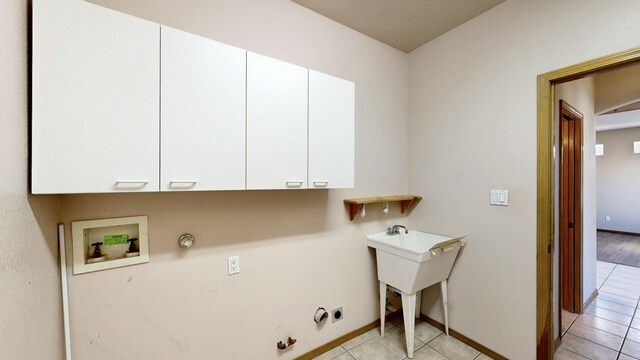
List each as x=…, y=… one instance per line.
x=337, y=314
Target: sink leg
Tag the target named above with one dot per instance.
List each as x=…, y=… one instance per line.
x=418, y=303
x=383, y=306
x=445, y=306
x=408, y=310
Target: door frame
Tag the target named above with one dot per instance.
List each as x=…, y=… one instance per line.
x=545, y=186
x=575, y=285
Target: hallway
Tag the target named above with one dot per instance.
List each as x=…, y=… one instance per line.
x=609, y=329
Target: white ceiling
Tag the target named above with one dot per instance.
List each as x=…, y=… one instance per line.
x=633, y=105
x=402, y=24
x=621, y=120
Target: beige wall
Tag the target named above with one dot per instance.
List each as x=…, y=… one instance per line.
x=580, y=94
x=30, y=320
x=298, y=250
x=472, y=128
x=618, y=179
x=617, y=88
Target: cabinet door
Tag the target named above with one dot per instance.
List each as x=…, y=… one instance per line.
x=331, y=131
x=276, y=124
x=203, y=113
x=95, y=100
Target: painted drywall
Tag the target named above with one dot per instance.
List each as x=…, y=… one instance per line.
x=30, y=306
x=617, y=88
x=298, y=250
x=472, y=128
x=618, y=179
x=580, y=94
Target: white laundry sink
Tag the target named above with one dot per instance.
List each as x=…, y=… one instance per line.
x=411, y=261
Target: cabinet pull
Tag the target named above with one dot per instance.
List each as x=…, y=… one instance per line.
x=294, y=184
x=320, y=183
x=183, y=182
x=143, y=182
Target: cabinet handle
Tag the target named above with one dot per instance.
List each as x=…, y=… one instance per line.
x=320, y=183
x=143, y=182
x=190, y=183
x=294, y=184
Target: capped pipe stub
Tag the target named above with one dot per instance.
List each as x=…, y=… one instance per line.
x=321, y=316
x=186, y=240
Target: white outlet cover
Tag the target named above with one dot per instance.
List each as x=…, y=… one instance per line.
x=234, y=264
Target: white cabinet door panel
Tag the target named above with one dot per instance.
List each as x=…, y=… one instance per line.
x=276, y=124
x=95, y=100
x=203, y=113
x=331, y=131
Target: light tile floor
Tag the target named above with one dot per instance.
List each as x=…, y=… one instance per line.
x=610, y=326
x=429, y=343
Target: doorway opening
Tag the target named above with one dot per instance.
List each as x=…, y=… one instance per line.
x=546, y=188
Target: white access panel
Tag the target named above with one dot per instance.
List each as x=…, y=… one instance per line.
x=203, y=113
x=331, y=131
x=95, y=100
x=276, y=124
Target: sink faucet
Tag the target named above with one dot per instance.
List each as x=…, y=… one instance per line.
x=395, y=230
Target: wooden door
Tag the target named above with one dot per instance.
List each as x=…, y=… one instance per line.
x=203, y=113
x=331, y=131
x=276, y=124
x=570, y=208
x=96, y=85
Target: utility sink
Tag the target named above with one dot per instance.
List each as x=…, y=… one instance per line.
x=411, y=261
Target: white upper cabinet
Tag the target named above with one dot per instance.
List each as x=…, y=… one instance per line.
x=95, y=100
x=120, y=104
x=203, y=113
x=276, y=124
x=331, y=131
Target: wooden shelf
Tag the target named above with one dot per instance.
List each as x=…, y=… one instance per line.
x=355, y=205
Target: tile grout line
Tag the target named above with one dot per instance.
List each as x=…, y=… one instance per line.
x=593, y=327
x=615, y=322
x=617, y=312
x=618, y=287
x=436, y=350
x=593, y=342
x=425, y=344
x=624, y=339
x=608, y=276
x=628, y=328
x=571, y=351
x=622, y=296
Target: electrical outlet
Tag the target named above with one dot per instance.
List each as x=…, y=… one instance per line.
x=337, y=314
x=607, y=218
x=234, y=264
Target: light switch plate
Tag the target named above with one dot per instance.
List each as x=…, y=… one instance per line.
x=499, y=197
